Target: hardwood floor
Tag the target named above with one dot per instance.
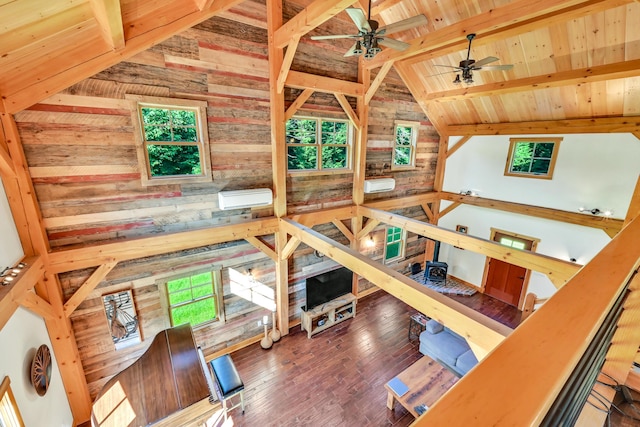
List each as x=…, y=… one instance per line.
x=337, y=378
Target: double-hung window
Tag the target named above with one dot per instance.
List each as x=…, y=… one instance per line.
x=9, y=413
x=172, y=140
x=315, y=144
x=195, y=298
x=404, y=149
x=394, y=244
x=532, y=157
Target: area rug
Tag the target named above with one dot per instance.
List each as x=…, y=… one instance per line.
x=449, y=286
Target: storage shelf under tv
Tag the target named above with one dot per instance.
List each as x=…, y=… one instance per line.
x=333, y=312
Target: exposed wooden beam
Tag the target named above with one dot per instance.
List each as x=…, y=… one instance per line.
x=427, y=211
x=458, y=145
x=286, y=62
x=299, y=102
x=299, y=80
x=448, y=209
x=601, y=222
x=204, y=4
x=633, y=210
x=263, y=247
x=403, y=202
x=89, y=285
x=368, y=228
x=344, y=103
x=558, y=270
x=550, y=343
x=75, y=259
x=618, y=70
x=630, y=124
x=290, y=247
x=343, y=228
x=109, y=17
x=49, y=85
x=496, y=24
x=31, y=301
x=307, y=19
x=6, y=165
x=324, y=216
x=11, y=295
x=384, y=70
x=482, y=331
x=360, y=146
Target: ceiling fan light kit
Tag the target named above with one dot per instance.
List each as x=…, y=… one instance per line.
x=370, y=36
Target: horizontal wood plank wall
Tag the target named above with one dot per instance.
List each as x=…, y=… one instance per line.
x=80, y=143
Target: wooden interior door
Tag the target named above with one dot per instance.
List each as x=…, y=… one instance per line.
x=505, y=281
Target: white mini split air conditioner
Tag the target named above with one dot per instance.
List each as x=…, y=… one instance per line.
x=237, y=199
x=379, y=185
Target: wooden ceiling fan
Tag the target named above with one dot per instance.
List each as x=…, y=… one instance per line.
x=370, y=36
x=468, y=66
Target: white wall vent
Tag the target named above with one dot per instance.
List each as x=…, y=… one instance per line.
x=237, y=199
x=379, y=185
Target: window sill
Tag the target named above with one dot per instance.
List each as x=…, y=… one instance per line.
x=403, y=168
x=319, y=172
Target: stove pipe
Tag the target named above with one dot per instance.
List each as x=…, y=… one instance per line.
x=436, y=251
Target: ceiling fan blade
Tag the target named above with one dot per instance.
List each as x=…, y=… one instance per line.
x=335, y=36
x=393, y=44
x=357, y=15
x=486, y=60
x=352, y=50
x=405, y=24
x=449, y=66
x=495, y=67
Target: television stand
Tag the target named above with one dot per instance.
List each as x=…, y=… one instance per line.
x=328, y=314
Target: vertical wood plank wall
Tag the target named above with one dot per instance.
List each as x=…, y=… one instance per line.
x=80, y=149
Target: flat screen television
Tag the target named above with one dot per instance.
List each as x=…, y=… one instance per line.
x=327, y=286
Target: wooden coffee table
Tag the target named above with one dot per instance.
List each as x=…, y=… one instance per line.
x=427, y=380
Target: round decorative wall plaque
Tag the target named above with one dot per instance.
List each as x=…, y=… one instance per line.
x=41, y=370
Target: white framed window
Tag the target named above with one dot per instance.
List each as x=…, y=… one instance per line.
x=318, y=144
x=394, y=244
x=172, y=140
x=195, y=298
x=9, y=412
x=532, y=157
x=404, y=148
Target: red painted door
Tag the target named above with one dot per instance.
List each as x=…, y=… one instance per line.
x=505, y=281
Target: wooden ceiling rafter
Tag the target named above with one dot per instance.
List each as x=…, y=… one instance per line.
x=109, y=17
x=627, y=124
x=300, y=80
x=384, y=70
x=496, y=24
x=50, y=84
x=618, y=70
x=307, y=19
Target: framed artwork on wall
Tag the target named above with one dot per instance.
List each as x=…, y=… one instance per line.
x=122, y=319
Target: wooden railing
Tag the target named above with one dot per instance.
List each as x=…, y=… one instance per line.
x=518, y=382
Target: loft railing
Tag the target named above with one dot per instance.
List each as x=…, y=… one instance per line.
x=519, y=381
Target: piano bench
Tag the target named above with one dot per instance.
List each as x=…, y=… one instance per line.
x=228, y=382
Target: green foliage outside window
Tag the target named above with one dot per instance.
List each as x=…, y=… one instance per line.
x=404, y=145
x=394, y=242
x=314, y=144
x=172, y=143
x=192, y=299
x=532, y=157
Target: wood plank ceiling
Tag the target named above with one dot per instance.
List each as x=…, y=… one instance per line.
x=572, y=59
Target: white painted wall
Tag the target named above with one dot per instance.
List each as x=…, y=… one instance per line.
x=594, y=170
x=20, y=338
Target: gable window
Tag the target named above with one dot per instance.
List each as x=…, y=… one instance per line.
x=172, y=140
x=404, y=150
x=9, y=413
x=195, y=299
x=315, y=144
x=394, y=244
x=532, y=157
